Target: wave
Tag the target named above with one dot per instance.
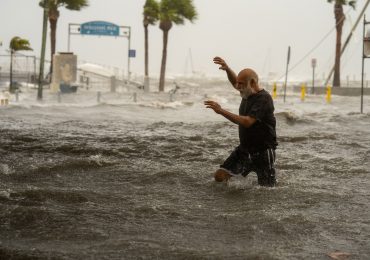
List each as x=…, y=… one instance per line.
x=5, y=169
x=292, y=139
x=292, y=118
x=354, y=144
x=65, y=197
x=216, y=98
x=105, y=104
x=10, y=253
x=76, y=149
x=307, y=137
x=163, y=105
x=93, y=161
x=289, y=166
x=69, y=165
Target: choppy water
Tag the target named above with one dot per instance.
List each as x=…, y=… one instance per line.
x=124, y=180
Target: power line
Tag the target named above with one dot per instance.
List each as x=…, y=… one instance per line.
x=315, y=47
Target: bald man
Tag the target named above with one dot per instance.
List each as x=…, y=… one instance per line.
x=257, y=124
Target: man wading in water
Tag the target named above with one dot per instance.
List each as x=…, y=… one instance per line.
x=257, y=124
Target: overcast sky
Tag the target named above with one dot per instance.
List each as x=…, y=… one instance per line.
x=247, y=33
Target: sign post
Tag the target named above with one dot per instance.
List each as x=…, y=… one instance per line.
x=313, y=64
x=102, y=28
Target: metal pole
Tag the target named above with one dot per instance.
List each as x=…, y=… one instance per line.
x=128, y=54
x=363, y=65
x=59, y=97
x=313, y=79
x=34, y=70
x=286, y=73
x=69, y=37
x=11, y=71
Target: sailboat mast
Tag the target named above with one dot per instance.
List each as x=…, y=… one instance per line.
x=191, y=60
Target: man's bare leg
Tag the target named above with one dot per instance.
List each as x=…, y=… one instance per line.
x=222, y=175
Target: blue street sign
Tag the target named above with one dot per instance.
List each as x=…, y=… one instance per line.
x=132, y=53
x=99, y=28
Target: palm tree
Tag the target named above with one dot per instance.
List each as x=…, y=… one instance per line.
x=53, y=6
x=339, y=21
x=172, y=12
x=151, y=10
x=16, y=44
x=43, y=47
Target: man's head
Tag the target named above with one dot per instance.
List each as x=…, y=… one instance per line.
x=247, y=82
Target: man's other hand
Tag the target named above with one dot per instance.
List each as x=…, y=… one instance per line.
x=221, y=62
x=213, y=105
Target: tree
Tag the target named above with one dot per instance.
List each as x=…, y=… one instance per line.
x=43, y=47
x=53, y=6
x=151, y=11
x=16, y=44
x=339, y=21
x=172, y=12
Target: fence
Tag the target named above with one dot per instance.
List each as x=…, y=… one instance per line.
x=25, y=68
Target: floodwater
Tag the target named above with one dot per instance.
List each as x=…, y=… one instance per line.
x=126, y=180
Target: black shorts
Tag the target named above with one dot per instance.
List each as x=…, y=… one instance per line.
x=262, y=163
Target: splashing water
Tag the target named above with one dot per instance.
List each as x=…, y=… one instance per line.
x=81, y=180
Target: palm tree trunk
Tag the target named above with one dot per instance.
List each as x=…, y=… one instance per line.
x=339, y=18
x=146, y=50
x=11, y=90
x=164, y=59
x=42, y=58
x=53, y=19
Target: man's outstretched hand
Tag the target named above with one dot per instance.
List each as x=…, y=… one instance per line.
x=221, y=62
x=213, y=105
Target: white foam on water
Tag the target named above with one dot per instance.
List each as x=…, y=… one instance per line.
x=217, y=98
x=5, y=169
x=189, y=99
x=158, y=104
x=5, y=193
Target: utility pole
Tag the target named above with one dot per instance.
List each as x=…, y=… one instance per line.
x=43, y=47
x=286, y=73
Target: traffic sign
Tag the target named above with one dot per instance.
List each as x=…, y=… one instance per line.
x=313, y=63
x=132, y=53
x=100, y=28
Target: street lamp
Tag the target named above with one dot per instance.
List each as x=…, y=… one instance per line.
x=365, y=55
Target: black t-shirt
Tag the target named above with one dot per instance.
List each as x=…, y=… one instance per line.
x=262, y=134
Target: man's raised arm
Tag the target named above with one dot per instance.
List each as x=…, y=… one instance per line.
x=230, y=73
